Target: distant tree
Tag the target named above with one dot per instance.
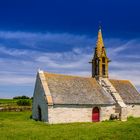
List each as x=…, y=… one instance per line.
x=21, y=97
x=31, y=98
x=25, y=97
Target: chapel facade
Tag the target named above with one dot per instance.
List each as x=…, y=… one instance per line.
x=62, y=98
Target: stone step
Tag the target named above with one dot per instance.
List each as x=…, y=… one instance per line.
x=109, y=88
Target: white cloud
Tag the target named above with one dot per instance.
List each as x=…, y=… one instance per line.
x=21, y=64
x=15, y=79
x=12, y=52
x=33, y=40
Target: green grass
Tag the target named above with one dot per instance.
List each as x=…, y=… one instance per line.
x=19, y=126
x=7, y=101
x=10, y=102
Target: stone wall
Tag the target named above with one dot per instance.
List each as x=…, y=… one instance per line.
x=106, y=112
x=39, y=99
x=133, y=110
x=72, y=113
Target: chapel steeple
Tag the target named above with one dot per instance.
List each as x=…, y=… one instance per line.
x=100, y=60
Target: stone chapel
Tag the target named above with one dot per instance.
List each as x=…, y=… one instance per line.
x=63, y=99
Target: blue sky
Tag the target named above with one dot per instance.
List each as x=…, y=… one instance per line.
x=59, y=36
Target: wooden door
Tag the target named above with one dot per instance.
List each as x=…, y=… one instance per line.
x=95, y=114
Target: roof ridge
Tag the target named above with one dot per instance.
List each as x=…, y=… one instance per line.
x=57, y=74
x=121, y=80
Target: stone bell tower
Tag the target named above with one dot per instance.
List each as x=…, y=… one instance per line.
x=100, y=60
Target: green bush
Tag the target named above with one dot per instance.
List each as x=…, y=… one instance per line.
x=24, y=102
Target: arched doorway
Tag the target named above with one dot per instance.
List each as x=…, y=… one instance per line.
x=39, y=114
x=95, y=114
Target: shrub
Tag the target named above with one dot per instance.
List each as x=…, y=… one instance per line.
x=23, y=102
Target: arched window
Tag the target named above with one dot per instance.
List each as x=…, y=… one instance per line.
x=95, y=114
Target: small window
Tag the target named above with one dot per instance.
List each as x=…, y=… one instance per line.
x=96, y=61
x=96, y=70
x=103, y=69
x=103, y=60
x=96, y=67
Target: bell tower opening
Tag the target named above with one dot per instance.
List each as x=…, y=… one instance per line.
x=103, y=59
x=96, y=67
x=103, y=70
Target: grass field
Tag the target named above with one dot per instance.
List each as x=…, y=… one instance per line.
x=19, y=126
x=8, y=101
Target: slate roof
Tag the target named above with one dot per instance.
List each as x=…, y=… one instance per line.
x=76, y=90
x=127, y=91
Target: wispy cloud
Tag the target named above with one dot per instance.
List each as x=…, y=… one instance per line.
x=12, y=52
x=47, y=40
x=62, y=53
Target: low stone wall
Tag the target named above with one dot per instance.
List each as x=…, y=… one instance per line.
x=133, y=110
x=17, y=109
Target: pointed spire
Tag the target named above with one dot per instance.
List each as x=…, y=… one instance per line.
x=99, y=43
x=100, y=60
